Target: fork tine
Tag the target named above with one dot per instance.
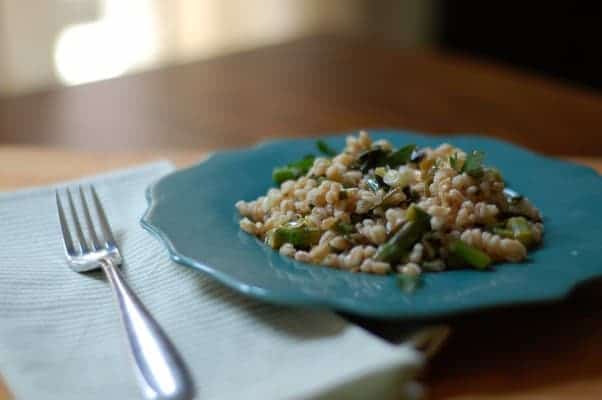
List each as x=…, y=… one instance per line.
x=102, y=218
x=67, y=241
x=95, y=242
x=78, y=228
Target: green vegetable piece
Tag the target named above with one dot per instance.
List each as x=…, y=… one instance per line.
x=325, y=148
x=454, y=162
x=376, y=157
x=494, y=172
x=473, y=165
x=503, y=232
x=380, y=171
x=401, y=243
x=433, y=265
x=417, y=214
x=344, y=228
x=282, y=174
x=299, y=235
x=293, y=170
x=409, y=283
x=401, y=156
x=521, y=230
x=469, y=254
x=304, y=164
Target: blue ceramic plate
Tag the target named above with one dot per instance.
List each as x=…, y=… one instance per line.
x=192, y=212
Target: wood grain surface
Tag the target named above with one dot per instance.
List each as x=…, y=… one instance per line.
x=547, y=352
x=313, y=86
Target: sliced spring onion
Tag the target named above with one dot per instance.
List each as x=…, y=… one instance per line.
x=521, y=230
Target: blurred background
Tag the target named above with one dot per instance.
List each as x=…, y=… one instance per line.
x=69, y=42
x=44, y=43
x=212, y=73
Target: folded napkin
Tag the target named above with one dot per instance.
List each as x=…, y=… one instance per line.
x=60, y=335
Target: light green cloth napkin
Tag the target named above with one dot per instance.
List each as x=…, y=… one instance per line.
x=60, y=335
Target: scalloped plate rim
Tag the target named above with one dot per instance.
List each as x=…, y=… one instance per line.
x=552, y=294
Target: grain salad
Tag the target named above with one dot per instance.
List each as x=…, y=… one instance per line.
x=376, y=209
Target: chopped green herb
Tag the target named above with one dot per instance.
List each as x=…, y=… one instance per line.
x=372, y=158
x=293, y=170
x=325, y=148
x=469, y=254
x=401, y=156
x=473, y=165
x=282, y=174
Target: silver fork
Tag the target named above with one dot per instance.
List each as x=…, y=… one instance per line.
x=159, y=368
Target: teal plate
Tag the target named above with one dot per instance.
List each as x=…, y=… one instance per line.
x=192, y=212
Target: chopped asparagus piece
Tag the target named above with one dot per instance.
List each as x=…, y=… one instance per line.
x=301, y=236
x=344, y=228
x=433, y=265
x=417, y=214
x=469, y=254
x=401, y=243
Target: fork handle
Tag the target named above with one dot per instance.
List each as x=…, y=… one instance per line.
x=160, y=369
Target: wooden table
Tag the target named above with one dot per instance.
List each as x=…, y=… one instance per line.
x=312, y=86
x=324, y=85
